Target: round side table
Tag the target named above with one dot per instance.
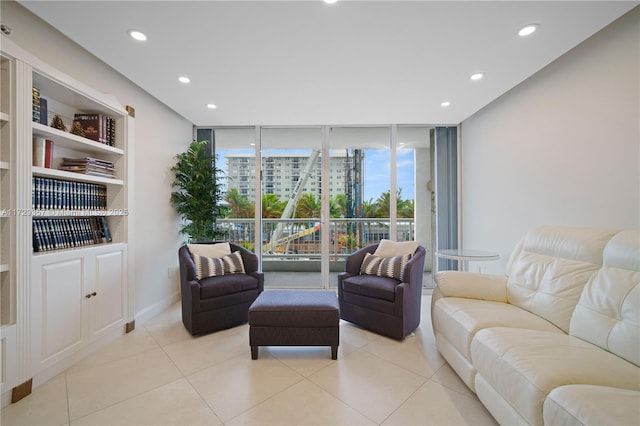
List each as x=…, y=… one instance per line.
x=465, y=256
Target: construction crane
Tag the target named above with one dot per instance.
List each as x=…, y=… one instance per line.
x=290, y=208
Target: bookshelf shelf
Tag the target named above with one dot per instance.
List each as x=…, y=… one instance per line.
x=69, y=140
x=4, y=267
x=4, y=117
x=4, y=165
x=62, y=174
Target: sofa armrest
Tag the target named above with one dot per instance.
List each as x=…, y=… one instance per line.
x=471, y=285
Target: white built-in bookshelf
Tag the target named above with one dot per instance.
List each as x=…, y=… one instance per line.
x=65, y=233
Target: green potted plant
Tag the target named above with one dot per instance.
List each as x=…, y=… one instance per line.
x=197, y=195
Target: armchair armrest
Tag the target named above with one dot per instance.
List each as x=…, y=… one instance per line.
x=471, y=285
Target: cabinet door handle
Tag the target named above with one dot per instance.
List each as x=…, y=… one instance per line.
x=90, y=295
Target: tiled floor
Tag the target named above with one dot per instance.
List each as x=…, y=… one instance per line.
x=160, y=375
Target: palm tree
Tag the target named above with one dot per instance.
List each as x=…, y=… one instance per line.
x=369, y=209
x=239, y=205
x=308, y=207
x=338, y=206
x=272, y=207
x=383, y=205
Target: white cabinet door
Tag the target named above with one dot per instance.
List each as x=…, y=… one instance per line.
x=59, y=308
x=108, y=308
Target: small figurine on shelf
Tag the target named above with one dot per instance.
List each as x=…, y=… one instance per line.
x=57, y=123
x=77, y=128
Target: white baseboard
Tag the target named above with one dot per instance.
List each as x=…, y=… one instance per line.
x=151, y=311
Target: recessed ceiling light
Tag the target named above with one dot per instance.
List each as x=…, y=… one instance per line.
x=445, y=104
x=528, y=30
x=137, y=35
x=477, y=76
x=330, y=1
x=183, y=79
x=211, y=106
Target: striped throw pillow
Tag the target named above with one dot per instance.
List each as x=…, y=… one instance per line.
x=207, y=266
x=391, y=267
x=233, y=263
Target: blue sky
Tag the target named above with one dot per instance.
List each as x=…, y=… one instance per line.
x=377, y=173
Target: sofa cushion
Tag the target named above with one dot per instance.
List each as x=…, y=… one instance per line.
x=391, y=267
x=459, y=319
x=371, y=286
x=226, y=284
x=608, y=312
x=592, y=405
x=523, y=366
x=550, y=267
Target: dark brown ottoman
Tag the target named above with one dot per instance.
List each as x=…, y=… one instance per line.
x=295, y=318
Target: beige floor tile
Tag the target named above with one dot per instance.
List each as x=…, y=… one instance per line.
x=434, y=404
x=355, y=335
x=199, y=353
x=174, y=403
x=371, y=385
x=301, y=404
x=234, y=386
x=134, y=343
x=167, y=327
x=47, y=405
x=415, y=353
x=305, y=360
x=94, y=389
x=448, y=378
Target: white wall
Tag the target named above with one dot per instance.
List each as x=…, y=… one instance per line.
x=562, y=148
x=160, y=133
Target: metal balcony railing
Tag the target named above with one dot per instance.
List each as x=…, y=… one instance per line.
x=301, y=237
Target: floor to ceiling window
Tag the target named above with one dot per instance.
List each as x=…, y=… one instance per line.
x=291, y=191
x=372, y=182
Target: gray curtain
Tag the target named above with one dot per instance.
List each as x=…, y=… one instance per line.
x=445, y=148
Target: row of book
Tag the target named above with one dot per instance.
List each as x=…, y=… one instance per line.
x=50, y=194
x=39, y=108
x=56, y=234
x=98, y=127
x=88, y=166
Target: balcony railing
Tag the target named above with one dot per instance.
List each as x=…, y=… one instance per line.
x=300, y=238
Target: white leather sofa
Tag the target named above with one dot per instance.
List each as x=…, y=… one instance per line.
x=557, y=340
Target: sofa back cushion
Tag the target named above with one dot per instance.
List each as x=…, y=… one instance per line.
x=551, y=266
x=608, y=312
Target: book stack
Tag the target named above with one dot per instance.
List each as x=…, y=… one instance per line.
x=88, y=166
x=57, y=194
x=55, y=234
x=98, y=127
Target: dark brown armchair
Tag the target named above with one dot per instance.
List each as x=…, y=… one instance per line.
x=387, y=306
x=218, y=302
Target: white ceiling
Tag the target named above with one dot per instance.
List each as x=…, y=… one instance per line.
x=307, y=62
